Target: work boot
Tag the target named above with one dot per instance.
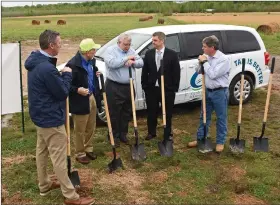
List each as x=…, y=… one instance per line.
x=149, y=137
x=55, y=185
x=124, y=139
x=219, y=148
x=80, y=201
x=192, y=144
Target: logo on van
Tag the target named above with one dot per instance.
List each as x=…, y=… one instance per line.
x=196, y=82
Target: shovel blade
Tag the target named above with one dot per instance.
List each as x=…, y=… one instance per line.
x=138, y=152
x=236, y=146
x=261, y=144
x=166, y=148
x=115, y=164
x=75, y=179
x=205, y=146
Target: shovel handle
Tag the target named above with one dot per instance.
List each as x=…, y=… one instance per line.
x=241, y=88
x=163, y=94
x=68, y=127
x=107, y=111
x=203, y=96
x=269, y=89
x=132, y=98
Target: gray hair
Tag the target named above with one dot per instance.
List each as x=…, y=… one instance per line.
x=211, y=41
x=47, y=37
x=123, y=37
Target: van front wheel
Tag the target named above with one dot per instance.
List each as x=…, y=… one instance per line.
x=234, y=89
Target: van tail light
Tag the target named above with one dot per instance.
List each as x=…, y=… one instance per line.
x=266, y=58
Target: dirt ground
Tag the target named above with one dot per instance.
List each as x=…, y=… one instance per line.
x=233, y=18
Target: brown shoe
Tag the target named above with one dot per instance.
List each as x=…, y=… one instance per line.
x=91, y=155
x=83, y=160
x=192, y=144
x=219, y=148
x=55, y=185
x=80, y=201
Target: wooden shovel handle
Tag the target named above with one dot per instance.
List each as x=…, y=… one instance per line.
x=68, y=127
x=133, y=103
x=203, y=95
x=163, y=101
x=269, y=90
x=107, y=110
x=241, y=91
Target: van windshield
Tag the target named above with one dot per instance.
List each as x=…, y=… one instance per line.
x=137, y=40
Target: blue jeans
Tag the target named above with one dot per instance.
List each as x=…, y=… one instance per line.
x=218, y=101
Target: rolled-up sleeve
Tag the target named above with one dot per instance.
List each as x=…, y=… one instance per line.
x=113, y=61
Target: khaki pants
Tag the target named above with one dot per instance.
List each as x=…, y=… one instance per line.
x=53, y=141
x=84, y=128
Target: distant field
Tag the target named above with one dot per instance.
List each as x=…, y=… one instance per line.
x=103, y=27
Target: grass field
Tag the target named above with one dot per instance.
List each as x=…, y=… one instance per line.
x=186, y=178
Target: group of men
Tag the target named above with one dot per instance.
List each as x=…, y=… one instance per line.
x=48, y=90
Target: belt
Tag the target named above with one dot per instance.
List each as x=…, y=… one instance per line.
x=214, y=89
x=117, y=82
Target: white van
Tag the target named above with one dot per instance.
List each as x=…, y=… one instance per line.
x=235, y=41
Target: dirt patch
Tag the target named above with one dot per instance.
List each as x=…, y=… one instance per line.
x=246, y=199
x=276, y=76
x=178, y=131
x=159, y=177
x=86, y=182
x=16, y=199
x=8, y=161
x=240, y=18
x=130, y=181
x=5, y=120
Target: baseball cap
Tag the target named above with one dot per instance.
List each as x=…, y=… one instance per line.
x=88, y=44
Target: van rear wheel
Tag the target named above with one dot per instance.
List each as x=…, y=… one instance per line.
x=234, y=89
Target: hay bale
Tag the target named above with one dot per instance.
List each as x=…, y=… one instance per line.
x=47, y=21
x=61, y=22
x=269, y=28
x=35, y=22
x=146, y=18
x=160, y=21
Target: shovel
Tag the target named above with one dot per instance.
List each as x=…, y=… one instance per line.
x=74, y=175
x=115, y=163
x=237, y=145
x=205, y=145
x=137, y=150
x=166, y=146
x=261, y=143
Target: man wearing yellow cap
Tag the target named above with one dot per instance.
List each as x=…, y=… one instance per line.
x=83, y=98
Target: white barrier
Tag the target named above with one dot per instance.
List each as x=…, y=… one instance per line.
x=11, y=97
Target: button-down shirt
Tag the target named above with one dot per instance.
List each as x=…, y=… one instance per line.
x=217, y=70
x=115, y=60
x=88, y=67
x=161, y=57
x=46, y=54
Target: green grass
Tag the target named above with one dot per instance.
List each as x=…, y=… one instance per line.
x=186, y=178
x=98, y=27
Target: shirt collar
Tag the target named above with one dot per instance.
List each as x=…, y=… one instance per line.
x=161, y=50
x=46, y=54
x=217, y=54
x=84, y=60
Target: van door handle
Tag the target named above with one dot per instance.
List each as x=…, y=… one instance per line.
x=191, y=66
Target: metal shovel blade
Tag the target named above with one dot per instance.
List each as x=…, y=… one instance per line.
x=75, y=179
x=138, y=152
x=236, y=145
x=261, y=144
x=166, y=148
x=205, y=146
x=115, y=164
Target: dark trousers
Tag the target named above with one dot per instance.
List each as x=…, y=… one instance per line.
x=153, y=98
x=119, y=104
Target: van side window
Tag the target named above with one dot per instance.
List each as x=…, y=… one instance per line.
x=172, y=42
x=193, y=42
x=241, y=41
